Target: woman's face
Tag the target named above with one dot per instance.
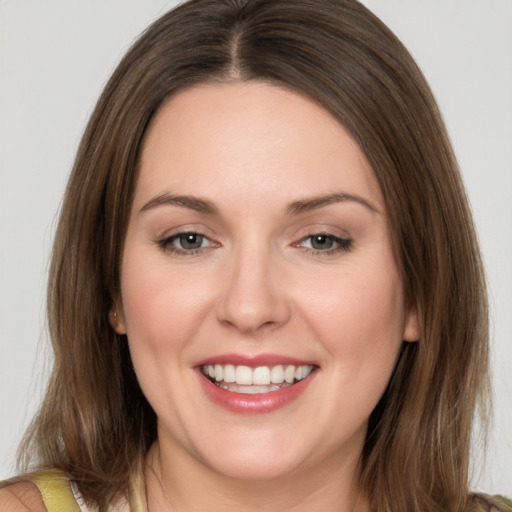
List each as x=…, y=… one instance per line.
x=258, y=253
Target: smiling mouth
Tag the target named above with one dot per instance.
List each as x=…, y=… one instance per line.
x=262, y=379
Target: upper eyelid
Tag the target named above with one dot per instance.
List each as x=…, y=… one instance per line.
x=307, y=232
x=323, y=232
x=167, y=244
x=322, y=229
x=327, y=235
x=180, y=230
x=176, y=235
x=342, y=245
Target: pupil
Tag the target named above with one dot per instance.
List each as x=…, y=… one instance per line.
x=321, y=242
x=191, y=241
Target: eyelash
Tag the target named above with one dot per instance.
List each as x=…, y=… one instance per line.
x=341, y=244
x=167, y=244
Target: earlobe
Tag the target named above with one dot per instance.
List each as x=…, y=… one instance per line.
x=116, y=319
x=411, y=326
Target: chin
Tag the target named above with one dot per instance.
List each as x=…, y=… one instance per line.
x=254, y=468
x=252, y=455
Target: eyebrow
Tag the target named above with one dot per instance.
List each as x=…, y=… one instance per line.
x=297, y=207
x=306, y=205
x=190, y=202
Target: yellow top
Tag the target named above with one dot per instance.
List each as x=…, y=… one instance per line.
x=55, y=489
x=58, y=496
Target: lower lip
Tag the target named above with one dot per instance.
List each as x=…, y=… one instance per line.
x=260, y=403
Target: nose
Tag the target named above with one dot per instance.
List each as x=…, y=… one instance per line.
x=254, y=295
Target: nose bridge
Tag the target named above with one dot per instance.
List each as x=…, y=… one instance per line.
x=253, y=295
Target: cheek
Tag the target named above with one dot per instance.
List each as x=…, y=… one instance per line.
x=163, y=309
x=161, y=306
x=359, y=321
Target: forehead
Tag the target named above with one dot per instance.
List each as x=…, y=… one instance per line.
x=251, y=140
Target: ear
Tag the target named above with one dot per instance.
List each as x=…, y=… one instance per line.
x=411, y=324
x=116, y=318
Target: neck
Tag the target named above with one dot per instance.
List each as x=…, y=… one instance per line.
x=175, y=483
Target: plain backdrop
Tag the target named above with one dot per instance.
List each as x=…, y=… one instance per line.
x=55, y=56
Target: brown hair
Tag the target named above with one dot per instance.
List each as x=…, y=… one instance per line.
x=95, y=422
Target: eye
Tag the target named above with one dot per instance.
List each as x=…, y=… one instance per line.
x=325, y=243
x=185, y=243
x=189, y=241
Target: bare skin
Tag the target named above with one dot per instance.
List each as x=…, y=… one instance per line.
x=293, y=493
x=290, y=257
x=21, y=497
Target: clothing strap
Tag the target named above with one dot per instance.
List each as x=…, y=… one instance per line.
x=59, y=494
x=55, y=489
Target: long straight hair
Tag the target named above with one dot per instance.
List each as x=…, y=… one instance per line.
x=95, y=422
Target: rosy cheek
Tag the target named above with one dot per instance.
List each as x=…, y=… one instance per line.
x=161, y=306
x=361, y=315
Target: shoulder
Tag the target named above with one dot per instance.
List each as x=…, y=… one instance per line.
x=40, y=491
x=486, y=503
x=21, y=497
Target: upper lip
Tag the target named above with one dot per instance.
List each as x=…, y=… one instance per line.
x=253, y=361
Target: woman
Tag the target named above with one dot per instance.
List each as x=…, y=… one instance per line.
x=259, y=296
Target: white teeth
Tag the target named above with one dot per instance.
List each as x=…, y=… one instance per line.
x=301, y=372
x=229, y=373
x=277, y=374
x=219, y=373
x=259, y=379
x=261, y=375
x=289, y=374
x=243, y=375
x=252, y=390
